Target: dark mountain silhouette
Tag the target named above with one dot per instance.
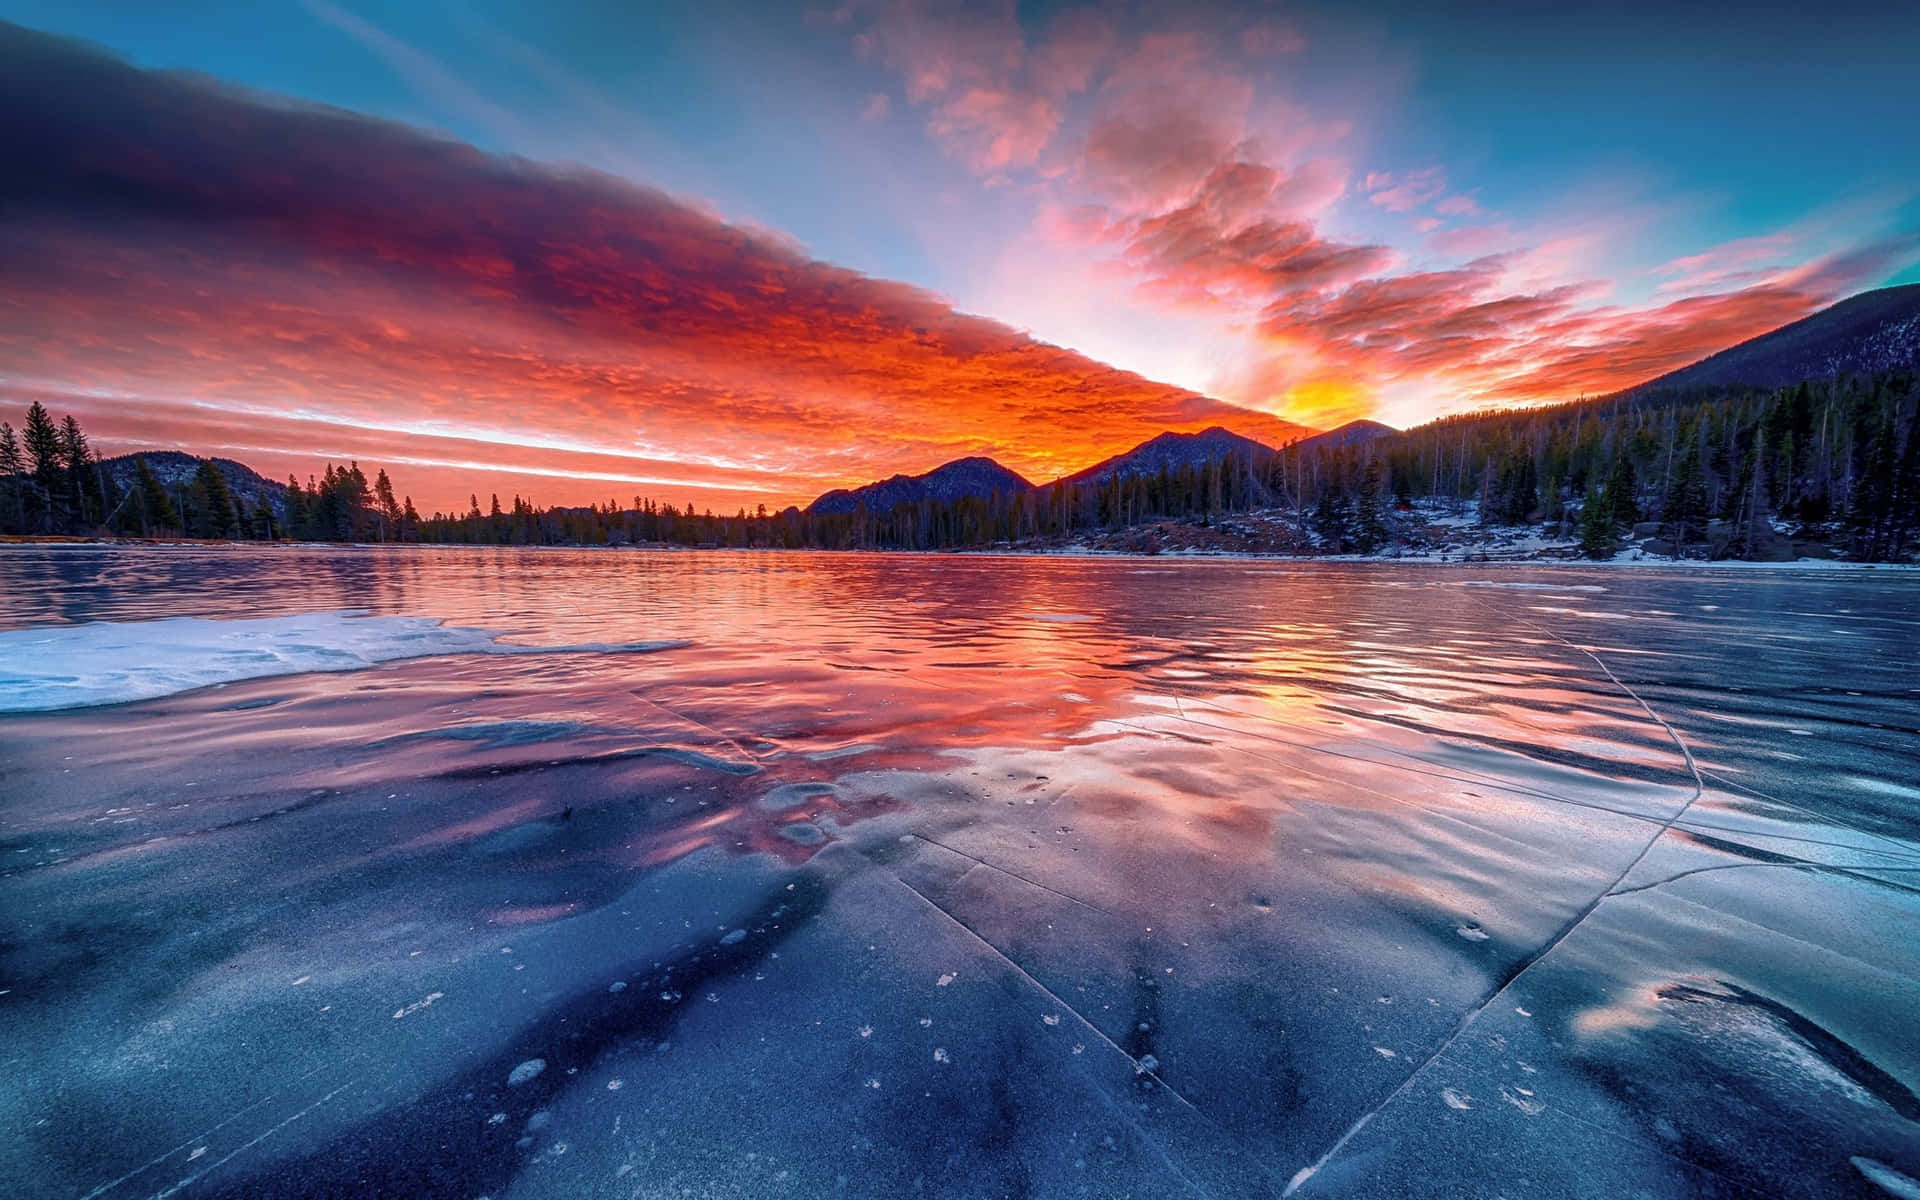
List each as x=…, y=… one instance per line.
x=1353, y=433
x=1874, y=331
x=1835, y=460
x=174, y=469
x=961, y=478
x=1172, y=451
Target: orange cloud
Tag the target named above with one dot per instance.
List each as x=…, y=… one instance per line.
x=1462, y=328
x=263, y=279
x=1181, y=177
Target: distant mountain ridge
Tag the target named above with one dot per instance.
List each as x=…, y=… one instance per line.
x=961, y=478
x=174, y=469
x=1353, y=433
x=1873, y=331
x=1171, y=452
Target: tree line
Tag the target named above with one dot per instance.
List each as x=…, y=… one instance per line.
x=53, y=484
x=1722, y=472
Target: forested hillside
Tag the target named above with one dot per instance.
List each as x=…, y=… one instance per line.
x=52, y=484
x=1837, y=459
x=1710, y=472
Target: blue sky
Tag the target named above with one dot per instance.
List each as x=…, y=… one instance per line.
x=1309, y=213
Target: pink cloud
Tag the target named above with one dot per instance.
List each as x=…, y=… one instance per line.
x=1077, y=49
x=1465, y=330
x=992, y=130
x=1222, y=245
x=1473, y=241
x=1170, y=162
x=1735, y=262
x=993, y=101
x=1404, y=193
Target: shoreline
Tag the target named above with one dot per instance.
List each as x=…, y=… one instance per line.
x=1619, y=561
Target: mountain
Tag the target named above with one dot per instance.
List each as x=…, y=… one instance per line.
x=1874, y=331
x=1172, y=451
x=1353, y=433
x=175, y=470
x=980, y=477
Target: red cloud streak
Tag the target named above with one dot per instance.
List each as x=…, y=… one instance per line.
x=188, y=265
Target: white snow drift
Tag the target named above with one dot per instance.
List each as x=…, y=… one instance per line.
x=113, y=662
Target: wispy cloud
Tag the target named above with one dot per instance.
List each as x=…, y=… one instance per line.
x=1174, y=171
x=249, y=257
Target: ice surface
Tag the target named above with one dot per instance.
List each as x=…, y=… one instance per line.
x=894, y=889
x=113, y=662
x=1890, y=1181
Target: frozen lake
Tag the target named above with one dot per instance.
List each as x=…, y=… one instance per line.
x=810, y=875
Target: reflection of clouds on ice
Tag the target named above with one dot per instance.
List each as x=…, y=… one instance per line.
x=113, y=662
x=1275, y=832
x=1533, y=587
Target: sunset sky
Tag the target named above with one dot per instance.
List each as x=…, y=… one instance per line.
x=742, y=254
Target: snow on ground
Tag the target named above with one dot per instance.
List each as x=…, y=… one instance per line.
x=113, y=662
x=1430, y=532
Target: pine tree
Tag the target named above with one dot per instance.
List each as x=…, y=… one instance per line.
x=211, y=501
x=1333, y=521
x=1599, y=537
x=1517, y=493
x=259, y=522
x=387, y=506
x=1906, y=492
x=1874, y=493
x=46, y=468
x=1620, y=489
x=1686, y=513
x=156, y=509
x=84, y=498
x=1369, y=521
x=13, y=472
x=294, y=523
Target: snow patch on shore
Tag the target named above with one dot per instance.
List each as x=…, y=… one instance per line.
x=115, y=662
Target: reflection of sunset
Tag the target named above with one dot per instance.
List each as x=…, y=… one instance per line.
x=1229, y=816
x=1047, y=676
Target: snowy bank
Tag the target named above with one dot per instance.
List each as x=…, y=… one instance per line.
x=113, y=662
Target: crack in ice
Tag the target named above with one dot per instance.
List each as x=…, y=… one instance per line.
x=1004, y=871
x=157, y=1159
x=231, y=1155
x=1565, y=931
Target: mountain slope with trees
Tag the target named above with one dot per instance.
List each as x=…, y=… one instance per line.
x=980, y=478
x=1864, y=335
x=1169, y=452
x=1829, y=464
